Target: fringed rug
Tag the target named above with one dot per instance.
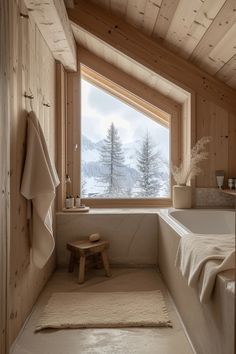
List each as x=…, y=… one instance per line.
x=105, y=310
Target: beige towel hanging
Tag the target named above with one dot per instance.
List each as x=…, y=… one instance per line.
x=39, y=184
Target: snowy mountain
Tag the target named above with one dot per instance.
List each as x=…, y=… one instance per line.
x=92, y=169
x=90, y=150
x=88, y=144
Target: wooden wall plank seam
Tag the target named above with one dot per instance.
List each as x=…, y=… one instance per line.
x=73, y=134
x=4, y=174
x=61, y=84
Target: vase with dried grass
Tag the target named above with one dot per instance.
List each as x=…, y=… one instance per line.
x=182, y=192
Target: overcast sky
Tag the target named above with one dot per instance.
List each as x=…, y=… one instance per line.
x=100, y=109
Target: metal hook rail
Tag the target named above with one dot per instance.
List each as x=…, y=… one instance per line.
x=31, y=97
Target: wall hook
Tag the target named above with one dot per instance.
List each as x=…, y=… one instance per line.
x=46, y=104
x=23, y=15
x=31, y=96
x=67, y=179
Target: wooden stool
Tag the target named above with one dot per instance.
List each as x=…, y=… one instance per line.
x=84, y=248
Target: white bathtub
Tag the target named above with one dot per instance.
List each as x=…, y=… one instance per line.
x=210, y=331
x=200, y=221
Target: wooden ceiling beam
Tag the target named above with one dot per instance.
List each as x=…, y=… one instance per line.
x=52, y=20
x=130, y=42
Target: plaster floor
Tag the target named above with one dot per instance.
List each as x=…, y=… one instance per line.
x=104, y=340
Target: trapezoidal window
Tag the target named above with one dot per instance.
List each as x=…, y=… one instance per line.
x=125, y=147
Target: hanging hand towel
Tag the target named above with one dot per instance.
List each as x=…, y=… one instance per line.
x=39, y=183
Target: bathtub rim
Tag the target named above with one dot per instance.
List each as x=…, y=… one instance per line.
x=182, y=230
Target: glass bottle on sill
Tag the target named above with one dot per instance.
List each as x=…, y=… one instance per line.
x=230, y=183
x=77, y=201
x=67, y=202
x=72, y=202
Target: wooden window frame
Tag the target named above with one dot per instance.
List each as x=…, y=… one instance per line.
x=160, y=108
x=124, y=95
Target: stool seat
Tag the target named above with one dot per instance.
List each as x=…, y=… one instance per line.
x=86, y=244
x=84, y=248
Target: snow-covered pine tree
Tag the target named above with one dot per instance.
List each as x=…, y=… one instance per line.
x=149, y=164
x=112, y=159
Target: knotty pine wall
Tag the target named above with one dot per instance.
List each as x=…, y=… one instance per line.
x=220, y=124
x=32, y=67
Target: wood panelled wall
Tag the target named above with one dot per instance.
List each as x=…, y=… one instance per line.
x=220, y=124
x=4, y=169
x=32, y=69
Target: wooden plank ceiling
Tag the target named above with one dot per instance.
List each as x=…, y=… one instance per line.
x=201, y=31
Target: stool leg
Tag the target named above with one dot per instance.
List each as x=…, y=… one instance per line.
x=71, y=262
x=106, y=263
x=81, y=269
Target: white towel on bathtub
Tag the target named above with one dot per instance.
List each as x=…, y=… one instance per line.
x=39, y=182
x=201, y=257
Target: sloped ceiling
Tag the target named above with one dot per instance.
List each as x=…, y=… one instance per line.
x=201, y=31
x=129, y=66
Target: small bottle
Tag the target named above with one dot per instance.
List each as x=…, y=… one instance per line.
x=220, y=181
x=77, y=201
x=67, y=202
x=230, y=183
x=72, y=201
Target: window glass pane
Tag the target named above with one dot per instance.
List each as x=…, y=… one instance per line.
x=124, y=153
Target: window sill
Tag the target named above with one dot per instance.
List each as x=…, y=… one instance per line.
x=128, y=203
x=114, y=211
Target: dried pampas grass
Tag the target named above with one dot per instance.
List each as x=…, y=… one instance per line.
x=189, y=167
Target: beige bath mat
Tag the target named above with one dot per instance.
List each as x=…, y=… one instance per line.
x=101, y=310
